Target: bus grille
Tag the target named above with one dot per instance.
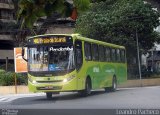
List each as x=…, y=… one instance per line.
x=49, y=81
x=50, y=88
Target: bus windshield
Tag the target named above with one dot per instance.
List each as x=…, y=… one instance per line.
x=51, y=58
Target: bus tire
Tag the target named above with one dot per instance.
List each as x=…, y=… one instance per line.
x=113, y=88
x=88, y=87
x=49, y=95
x=114, y=84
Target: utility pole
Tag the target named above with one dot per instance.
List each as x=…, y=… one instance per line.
x=139, y=64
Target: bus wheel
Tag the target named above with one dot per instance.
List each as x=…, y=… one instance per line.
x=48, y=95
x=87, y=90
x=113, y=88
x=114, y=84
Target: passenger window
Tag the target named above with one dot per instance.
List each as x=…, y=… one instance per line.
x=123, y=55
x=108, y=54
x=118, y=55
x=87, y=50
x=101, y=53
x=95, y=53
x=113, y=55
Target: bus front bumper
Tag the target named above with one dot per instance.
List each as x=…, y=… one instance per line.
x=63, y=86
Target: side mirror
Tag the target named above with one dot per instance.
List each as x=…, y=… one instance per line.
x=23, y=52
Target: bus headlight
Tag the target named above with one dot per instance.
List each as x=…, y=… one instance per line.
x=31, y=80
x=69, y=78
x=34, y=82
x=65, y=80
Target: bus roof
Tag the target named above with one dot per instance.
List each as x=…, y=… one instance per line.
x=79, y=37
x=99, y=42
x=30, y=37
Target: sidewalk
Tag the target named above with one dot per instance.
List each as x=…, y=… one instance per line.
x=11, y=90
x=142, y=83
x=130, y=83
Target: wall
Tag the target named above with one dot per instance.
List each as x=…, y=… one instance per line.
x=60, y=29
x=6, y=53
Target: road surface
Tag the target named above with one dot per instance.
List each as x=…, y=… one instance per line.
x=98, y=103
x=143, y=97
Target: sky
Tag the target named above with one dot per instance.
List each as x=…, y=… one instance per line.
x=157, y=45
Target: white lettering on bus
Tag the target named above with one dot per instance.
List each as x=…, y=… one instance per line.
x=60, y=49
x=96, y=69
x=110, y=71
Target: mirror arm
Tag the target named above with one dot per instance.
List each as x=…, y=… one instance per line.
x=23, y=51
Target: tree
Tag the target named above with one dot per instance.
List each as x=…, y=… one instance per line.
x=31, y=10
x=18, y=35
x=116, y=21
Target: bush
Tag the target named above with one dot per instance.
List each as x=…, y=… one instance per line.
x=10, y=67
x=7, y=78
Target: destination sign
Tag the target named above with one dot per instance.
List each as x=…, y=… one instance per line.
x=50, y=40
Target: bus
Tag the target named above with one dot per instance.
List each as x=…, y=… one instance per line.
x=70, y=62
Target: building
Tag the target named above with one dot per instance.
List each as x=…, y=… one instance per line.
x=61, y=26
x=6, y=40
x=153, y=61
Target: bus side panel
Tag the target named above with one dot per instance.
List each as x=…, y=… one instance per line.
x=121, y=73
x=94, y=71
x=100, y=73
x=109, y=70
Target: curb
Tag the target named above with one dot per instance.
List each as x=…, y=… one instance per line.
x=130, y=83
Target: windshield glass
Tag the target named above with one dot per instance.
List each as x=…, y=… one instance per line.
x=51, y=58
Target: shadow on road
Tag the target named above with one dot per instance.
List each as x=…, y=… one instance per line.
x=56, y=98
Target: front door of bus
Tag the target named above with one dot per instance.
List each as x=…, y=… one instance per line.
x=79, y=62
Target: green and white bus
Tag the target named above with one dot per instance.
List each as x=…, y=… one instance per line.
x=62, y=63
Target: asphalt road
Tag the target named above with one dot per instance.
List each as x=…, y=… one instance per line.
x=126, y=98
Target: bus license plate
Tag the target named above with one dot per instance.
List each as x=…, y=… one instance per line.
x=49, y=87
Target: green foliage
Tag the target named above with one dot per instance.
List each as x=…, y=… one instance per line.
x=117, y=21
x=9, y=68
x=81, y=5
x=31, y=10
x=7, y=78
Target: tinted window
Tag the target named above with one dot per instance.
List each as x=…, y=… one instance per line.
x=122, y=55
x=113, y=55
x=78, y=54
x=95, y=54
x=87, y=49
x=101, y=53
x=108, y=54
x=118, y=58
